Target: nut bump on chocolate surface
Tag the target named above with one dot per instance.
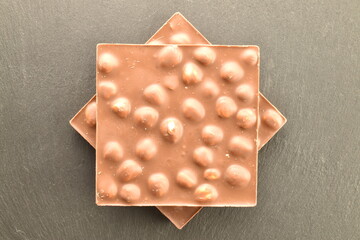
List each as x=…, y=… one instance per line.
x=107, y=63
x=107, y=89
x=146, y=117
x=170, y=56
x=113, y=152
x=128, y=170
x=158, y=184
x=205, y=55
x=209, y=88
x=246, y=118
x=186, y=178
x=180, y=38
x=244, y=93
x=225, y=107
x=192, y=74
x=205, y=193
x=212, y=174
x=171, y=129
x=272, y=119
x=231, y=72
x=155, y=94
x=203, y=156
x=212, y=135
x=130, y=192
x=237, y=175
x=240, y=146
x=90, y=114
x=121, y=107
x=193, y=109
x=146, y=149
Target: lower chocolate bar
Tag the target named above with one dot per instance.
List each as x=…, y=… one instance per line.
x=178, y=30
x=179, y=216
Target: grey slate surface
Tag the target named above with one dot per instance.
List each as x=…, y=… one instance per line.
x=309, y=183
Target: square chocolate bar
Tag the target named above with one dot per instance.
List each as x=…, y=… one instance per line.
x=177, y=125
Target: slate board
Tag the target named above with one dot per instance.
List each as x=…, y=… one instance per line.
x=309, y=183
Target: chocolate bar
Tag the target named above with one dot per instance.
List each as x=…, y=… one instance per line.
x=175, y=126
x=179, y=216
